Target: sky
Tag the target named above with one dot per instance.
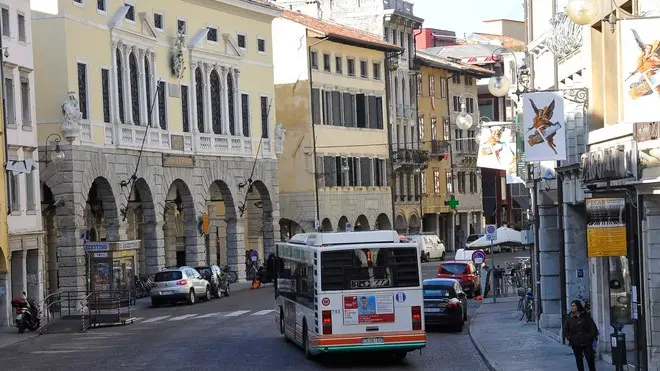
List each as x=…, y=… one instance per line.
x=466, y=16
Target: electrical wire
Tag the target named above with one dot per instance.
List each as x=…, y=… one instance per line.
x=387, y=144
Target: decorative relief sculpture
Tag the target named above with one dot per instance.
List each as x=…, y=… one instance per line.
x=280, y=135
x=178, y=61
x=71, y=116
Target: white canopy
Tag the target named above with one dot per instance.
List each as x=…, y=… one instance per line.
x=505, y=235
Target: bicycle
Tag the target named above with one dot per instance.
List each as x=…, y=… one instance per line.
x=525, y=304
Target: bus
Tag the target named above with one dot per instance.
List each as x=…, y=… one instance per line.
x=350, y=291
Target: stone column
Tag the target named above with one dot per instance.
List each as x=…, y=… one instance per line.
x=152, y=81
x=236, y=246
x=18, y=272
x=169, y=236
x=208, y=116
x=114, y=97
x=224, y=99
x=5, y=316
x=195, y=244
x=192, y=91
x=549, y=262
x=576, y=260
x=154, y=246
x=238, y=110
x=127, y=83
x=211, y=235
x=144, y=99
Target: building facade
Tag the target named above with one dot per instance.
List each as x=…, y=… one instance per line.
x=394, y=21
x=332, y=104
x=26, y=244
x=164, y=114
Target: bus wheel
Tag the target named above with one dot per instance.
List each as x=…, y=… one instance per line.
x=282, y=328
x=308, y=354
x=400, y=356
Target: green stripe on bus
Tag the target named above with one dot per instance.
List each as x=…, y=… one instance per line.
x=367, y=347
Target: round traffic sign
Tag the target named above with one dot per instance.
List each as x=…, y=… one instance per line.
x=490, y=229
x=478, y=257
x=325, y=302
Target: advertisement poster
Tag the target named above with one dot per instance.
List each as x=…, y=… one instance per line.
x=101, y=276
x=606, y=227
x=365, y=309
x=496, y=148
x=640, y=64
x=544, y=129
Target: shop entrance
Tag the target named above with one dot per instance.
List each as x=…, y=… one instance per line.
x=111, y=266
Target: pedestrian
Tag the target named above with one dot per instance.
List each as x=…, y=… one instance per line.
x=581, y=331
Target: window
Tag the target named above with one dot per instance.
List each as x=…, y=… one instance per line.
x=185, y=109
x=105, y=94
x=350, y=66
x=402, y=39
x=416, y=185
x=458, y=137
x=242, y=41
x=5, y=22
x=361, y=110
x=461, y=182
x=473, y=182
x=364, y=72
x=456, y=79
x=261, y=45
x=316, y=106
x=21, y=28
x=469, y=105
x=349, y=109
x=394, y=34
x=445, y=128
x=134, y=76
x=181, y=26
x=423, y=181
x=199, y=99
x=14, y=192
x=158, y=21
x=100, y=5
x=231, y=93
x=25, y=101
x=421, y=129
x=162, y=104
x=130, y=14
x=336, y=109
x=339, y=65
x=420, y=86
x=471, y=134
x=148, y=80
x=264, y=117
x=314, y=59
x=457, y=103
x=212, y=35
x=436, y=181
x=434, y=128
x=82, y=90
x=449, y=180
x=326, y=62
x=469, y=80
x=29, y=188
x=11, y=103
x=301, y=277
x=120, y=86
x=432, y=85
x=216, y=103
x=245, y=114
x=376, y=68
x=443, y=88
x=365, y=172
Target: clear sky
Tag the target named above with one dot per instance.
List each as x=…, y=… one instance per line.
x=466, y=16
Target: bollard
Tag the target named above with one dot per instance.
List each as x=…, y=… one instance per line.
x=618, y=342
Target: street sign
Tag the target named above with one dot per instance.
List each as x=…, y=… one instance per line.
x=491, y=232
x=349, y=227
x=452, y=203
x=478, y=257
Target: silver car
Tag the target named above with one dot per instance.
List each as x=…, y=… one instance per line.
x=179, y=284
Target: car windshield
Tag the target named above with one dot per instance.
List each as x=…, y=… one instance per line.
x=438, y=291
x=457, y=268
x=168, y=276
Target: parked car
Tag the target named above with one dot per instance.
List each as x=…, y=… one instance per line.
x=179, y=284
x=445, y=303
x=465, y=272
x=430, y=247
x=219, y=280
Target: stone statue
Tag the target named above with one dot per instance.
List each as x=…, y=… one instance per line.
x=178, y=61
x=71, y=116
x=280, y=135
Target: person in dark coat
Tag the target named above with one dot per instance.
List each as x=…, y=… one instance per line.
x=580, y=330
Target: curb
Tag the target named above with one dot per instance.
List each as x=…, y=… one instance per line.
x=492, y=365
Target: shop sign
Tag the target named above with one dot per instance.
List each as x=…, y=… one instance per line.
x=97, y=246
x=606, y=227
x=128, y=245
x=178, y=161
x=617, y=162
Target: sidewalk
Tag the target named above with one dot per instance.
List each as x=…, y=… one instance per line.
x=505, y=343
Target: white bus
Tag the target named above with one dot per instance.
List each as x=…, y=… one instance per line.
x=353, y=291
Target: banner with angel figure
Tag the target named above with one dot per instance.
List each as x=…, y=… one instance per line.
x=496, y=148
x=544, y=126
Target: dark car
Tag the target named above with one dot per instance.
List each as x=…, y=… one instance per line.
x=445, y=303
x=464, y=272
x=218, y=279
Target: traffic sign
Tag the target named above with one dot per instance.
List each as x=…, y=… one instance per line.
x=491, y=232
x=349, y=227
x=478, y=257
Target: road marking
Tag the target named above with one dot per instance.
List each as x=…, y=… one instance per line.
x=263, y=312
x=180, y=318
x=137, y=319
x=54, y=351
x=237, y=313
x=209, y=315
x=151, y=320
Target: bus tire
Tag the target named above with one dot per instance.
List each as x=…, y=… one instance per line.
x=282, y=328
x=305, y=342
x=400, y=356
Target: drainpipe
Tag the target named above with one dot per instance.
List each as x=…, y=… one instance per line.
x=6, y=153
x=390, y=164
x=311, y=115
x=419, y=145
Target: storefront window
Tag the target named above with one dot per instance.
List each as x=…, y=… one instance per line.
x=620, y=288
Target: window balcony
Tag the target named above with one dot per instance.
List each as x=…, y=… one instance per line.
x=132, y=136
x=439, y=148
x=410, y=157
x=404, y=7
x=225, y=145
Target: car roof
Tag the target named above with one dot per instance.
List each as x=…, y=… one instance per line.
x=446, y=281
x=455, y=262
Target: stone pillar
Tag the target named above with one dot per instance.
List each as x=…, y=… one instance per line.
x=270, y=235
x=114, y=112
x=154, y=246
x=208, y=121
x=142, y=83
x=169, y=236
x=224, y=99
x=236, y=246
x=5, y=306
x=192, y=92
x=549, y=262
x=211, y=235
x=576, y=260
x=34, y=269
x=238, y=113
x=18, y=273
x=195, y=245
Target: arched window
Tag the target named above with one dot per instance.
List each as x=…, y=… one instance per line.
x=230, y=103
x=403, y=91
x=216, y=105
x=120, y=87
x=199, y=94
x=135, y=90
x=396, y=94
x=412, y=89
x=147, y=82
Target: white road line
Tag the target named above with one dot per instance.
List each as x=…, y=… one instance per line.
x=137, y=319
x=209, y=315
x=180, y=318
x=155, y=319
x=263, y=312
x=237, y=313
x=55, y=351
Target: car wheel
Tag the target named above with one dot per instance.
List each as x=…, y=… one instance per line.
x=227, y=290
x=191, y=297
x=207, y=295
x=442, y=257
x=218, y=292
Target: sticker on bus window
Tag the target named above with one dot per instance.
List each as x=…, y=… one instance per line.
x=365, y=309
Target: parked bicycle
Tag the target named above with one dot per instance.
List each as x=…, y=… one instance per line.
x=142, y=286
x=233, y=276
x=526, y=304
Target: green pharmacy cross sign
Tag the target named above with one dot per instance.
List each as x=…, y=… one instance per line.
x=452, y=203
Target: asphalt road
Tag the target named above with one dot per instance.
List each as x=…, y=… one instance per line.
x=233, y=333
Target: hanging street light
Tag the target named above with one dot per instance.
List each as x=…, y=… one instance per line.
x=499, y=86
x=464, y=119
x=583, y=12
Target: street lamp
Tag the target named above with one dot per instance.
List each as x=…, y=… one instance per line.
x=55, y=155
x=464, y=119
x=499, y=86
x=583, y=12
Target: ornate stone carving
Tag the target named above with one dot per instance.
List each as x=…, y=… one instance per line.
x=71, y=116
x=178, y=61
x=280, y=135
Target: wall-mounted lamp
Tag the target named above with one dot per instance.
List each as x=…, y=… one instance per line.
x=417, y=170
x=585, y=12
x=56, y=154
x=464, y=119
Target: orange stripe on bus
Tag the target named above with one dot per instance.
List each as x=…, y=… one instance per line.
x=353, y=339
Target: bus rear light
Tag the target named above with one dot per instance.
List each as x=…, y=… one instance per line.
x=416, y=312
x=326, y=319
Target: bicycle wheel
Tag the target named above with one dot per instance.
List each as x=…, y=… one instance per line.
x=521, y=305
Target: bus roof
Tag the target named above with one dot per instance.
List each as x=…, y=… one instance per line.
x=345, y=238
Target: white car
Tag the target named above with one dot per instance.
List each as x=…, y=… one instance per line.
x=430, y=246
x=179, y=284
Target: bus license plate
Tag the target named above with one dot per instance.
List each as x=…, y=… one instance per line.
x=432, y=310
x=372, y=340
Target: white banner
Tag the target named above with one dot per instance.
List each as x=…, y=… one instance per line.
x=544, y=126
x=497, y=148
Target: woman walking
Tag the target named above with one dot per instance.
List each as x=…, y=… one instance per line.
x=581, y=331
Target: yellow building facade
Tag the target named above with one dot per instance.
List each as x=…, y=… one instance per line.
x=331, y=100
x=163, y=111
x=5, y=288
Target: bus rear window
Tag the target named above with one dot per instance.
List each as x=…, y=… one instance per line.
x=374, y=268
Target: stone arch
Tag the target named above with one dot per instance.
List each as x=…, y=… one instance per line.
x=414, y=226
x=362, y=223
x=383, y=222
x=101, y=217
x=401, y=225
x=221, y=240
x=264, y=202
x=326, y=225
x=180, y=227
x=341, y=225
x=140, y=214
x=289, y=228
